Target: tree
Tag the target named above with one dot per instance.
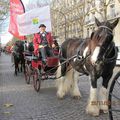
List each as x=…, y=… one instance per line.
x=4, y=10
x=104, y=5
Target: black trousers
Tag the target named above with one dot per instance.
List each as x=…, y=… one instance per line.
x=45, y=52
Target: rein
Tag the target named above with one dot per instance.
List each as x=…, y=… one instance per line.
x=66, y=60
x=107, y=53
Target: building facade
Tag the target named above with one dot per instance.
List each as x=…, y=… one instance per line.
x=67, y=18
x=75, y=18
x=102, y=9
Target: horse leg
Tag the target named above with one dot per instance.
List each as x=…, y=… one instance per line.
x=24, y=65
x=21, y=67
x=103, y=93
x=16, y=68
x=60, y=82
x=75, y=92
x=93, y=106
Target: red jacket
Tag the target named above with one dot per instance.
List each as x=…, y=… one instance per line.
x=37, y=41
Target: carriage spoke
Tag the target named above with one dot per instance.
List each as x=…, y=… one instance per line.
x=115, y=99
x=116, y=110
x=114, y=96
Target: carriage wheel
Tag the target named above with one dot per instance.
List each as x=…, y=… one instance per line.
x=27, y=74
x=114, y=98
x=36, y=80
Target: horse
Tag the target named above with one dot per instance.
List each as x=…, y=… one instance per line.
x=95, y=57
x=30, y=47
x=19, y=56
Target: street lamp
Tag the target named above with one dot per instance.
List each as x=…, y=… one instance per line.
x=64, y=19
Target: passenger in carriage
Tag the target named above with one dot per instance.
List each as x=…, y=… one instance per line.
x=44, y=41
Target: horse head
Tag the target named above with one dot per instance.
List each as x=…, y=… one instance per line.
x=101, y=39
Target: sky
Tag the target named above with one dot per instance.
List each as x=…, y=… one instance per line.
x=5, y=36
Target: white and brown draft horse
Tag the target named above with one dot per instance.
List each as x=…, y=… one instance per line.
x=96, y=57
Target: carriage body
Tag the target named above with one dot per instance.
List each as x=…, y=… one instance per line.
x=51, y=62
x=35, y=68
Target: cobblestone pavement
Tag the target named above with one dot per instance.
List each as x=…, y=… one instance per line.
x=26, y=104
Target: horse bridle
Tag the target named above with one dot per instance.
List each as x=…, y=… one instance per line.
x=103, y=26
x=109, y=49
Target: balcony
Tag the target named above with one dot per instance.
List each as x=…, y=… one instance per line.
x=87, y=22
x=114, y=15
x=112, y=2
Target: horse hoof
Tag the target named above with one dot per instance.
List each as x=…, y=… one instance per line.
x=104, y=109
x=60, y=96
x=15, y=74
x=77, y=97
x=93, y=110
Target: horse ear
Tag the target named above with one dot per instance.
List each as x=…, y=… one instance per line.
x=97, y=22
x=92, y=35
x=115, y=23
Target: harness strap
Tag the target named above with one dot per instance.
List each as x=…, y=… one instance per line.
x=109, y=50
x=66, y=60
x=103, y=26
x=111, y=31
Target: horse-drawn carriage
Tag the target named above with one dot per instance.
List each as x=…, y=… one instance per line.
x=94, y=56
x=35, y=68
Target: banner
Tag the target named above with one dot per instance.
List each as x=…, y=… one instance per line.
x=29, y=22
x=16, y=8
x=31, y=4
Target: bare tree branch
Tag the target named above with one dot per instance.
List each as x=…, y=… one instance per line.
x=4, y=10
x=108, y=3
x=99, y=13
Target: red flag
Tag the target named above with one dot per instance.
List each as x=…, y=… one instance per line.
x=16, y=8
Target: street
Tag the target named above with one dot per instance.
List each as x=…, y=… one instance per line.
x=19, y=101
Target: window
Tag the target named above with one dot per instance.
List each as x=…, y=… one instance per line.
x=93, y=3
x=93, y=29
x=112, y=10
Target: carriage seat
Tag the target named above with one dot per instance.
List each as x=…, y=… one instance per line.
x=36, y=58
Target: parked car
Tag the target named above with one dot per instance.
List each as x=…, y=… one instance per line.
x=118, y=58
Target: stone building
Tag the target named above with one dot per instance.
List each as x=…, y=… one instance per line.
x=75, y=18
x=67, y=18
x=101, y=9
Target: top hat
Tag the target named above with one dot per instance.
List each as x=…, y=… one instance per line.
x=42, y=25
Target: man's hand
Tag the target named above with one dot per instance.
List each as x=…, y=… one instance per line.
x=41, y=46
x=53, y=45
